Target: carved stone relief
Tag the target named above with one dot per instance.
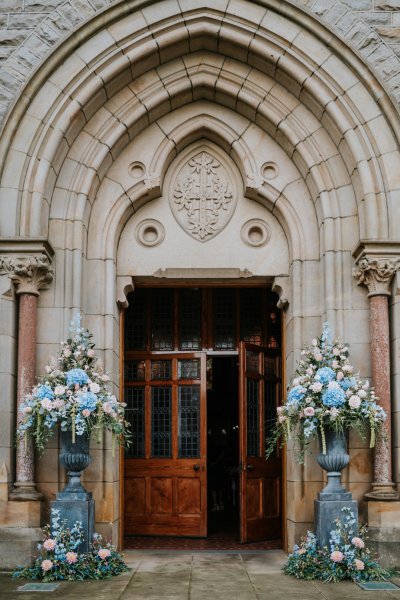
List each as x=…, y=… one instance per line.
x=203, y=199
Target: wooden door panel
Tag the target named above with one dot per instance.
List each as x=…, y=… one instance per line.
x=170, y=473
x=260, y=479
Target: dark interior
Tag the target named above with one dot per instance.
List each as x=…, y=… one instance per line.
x=222, y=445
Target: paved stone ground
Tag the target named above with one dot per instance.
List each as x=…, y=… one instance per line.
x=198, y=576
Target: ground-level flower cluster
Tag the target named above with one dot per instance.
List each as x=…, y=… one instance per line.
x=74, y=393
x=326, y=393
x=60, y=558
x=346, y=557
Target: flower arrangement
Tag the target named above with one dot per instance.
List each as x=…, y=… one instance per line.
x=60, y=559
x=326, y=394
x=346, y=557
x=74, y=393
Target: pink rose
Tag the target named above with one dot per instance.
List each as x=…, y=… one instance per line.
x=309, y=411
x=46, y=565
x=357, y=542
x=90, y=353
x=337, y=556
x=359, y=564
x=46, y=404
x=339, y=376
x=107, y=407
x=318, y=357
x=302, y=551
x=49, y=544
x=279, y=410
x=316, y=386
x=104, y=553
x=59, y=390
x=59, y=403
x=354, y=402
x=67, y=352
x=86, y=412
x=281, y=418
x=71, y=557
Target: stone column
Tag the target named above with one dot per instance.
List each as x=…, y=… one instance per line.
x=30, y=275
x=376, y=275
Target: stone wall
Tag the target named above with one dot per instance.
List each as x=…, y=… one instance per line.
x=29, y=29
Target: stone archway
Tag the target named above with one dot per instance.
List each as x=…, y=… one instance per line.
x=263, y=82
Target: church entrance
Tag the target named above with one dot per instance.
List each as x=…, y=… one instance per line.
x=202, y=379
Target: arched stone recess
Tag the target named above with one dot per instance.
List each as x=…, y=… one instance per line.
x=94, y=147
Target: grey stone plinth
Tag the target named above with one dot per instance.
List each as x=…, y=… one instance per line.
x=74, y=509
x=326, y=511
x=18, y=546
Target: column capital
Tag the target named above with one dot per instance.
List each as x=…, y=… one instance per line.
x=30, y=274
x=376, y=274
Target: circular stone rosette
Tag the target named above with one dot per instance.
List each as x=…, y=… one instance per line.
x=255, y=233
x=150, y=232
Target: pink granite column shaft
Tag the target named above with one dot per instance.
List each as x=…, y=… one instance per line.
x=380, y=358
x=24, y=476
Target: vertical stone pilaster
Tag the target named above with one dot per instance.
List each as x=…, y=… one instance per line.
x=30, y=275
x=376, y=275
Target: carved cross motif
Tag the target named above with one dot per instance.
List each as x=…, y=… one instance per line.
x=203, y=195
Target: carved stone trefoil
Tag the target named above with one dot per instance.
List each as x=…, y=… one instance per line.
x=202, y=199
x=30, y=274
x=376, y=274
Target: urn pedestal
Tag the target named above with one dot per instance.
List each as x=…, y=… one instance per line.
x=334, y=497
x=74, y=502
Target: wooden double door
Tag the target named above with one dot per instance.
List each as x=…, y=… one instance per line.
x=165, y=471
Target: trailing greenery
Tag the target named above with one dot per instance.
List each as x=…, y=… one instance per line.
x=326, y=394
x=60, y=559
x=346, y=558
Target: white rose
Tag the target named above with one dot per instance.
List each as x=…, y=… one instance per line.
x=28, y=409
x=94, y=387
x=362, y=393
x=296, y=381
x=314, y=342
x=279, y=410
x=347, y=368
x=318, y=357
x=316, y=386
x=309, y=371
x=107, y=407
x=354, y=402
x=90, y=353
x=366, y=385
x=105, y=378
x=46, y=404
x=281, y=418
x=59, y=390
x=335, y=364
x=336, y=351
x=339, y=376
x=67, y=352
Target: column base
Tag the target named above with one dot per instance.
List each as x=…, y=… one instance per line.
x=383, y=492
x=19, y=532
x=383, y=519
x=24, y=491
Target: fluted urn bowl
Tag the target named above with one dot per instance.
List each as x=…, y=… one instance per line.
x=74, y=457
x=333, y=462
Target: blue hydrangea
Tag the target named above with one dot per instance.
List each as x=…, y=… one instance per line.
x=44, y=391
x=296, y=394
x=77, y=376
x=334, y=396
x=88, y=400
x=347, y=383
x=325, y=375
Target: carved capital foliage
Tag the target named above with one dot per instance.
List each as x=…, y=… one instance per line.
x=30, y=274
x=376, y=274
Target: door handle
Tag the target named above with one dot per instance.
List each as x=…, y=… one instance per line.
x=196, y=468
x=249, y=467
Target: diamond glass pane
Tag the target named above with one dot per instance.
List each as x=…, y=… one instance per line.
x=161, y=416
x=161, y=369
x=224, y=310
x=135, y=415
x=189, y=368
x=252, y=361
x=253, y=438
x=189, y=421
x=190, y=319
x=135, y=370
x=135, y=322
x=251, y=316
x=163, y=320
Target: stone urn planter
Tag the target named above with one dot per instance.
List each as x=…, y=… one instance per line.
x=333, y=462
x=74, y=457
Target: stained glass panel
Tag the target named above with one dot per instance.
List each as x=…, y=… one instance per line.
x=135, y=415
x=161, y=417
x=189, y=368
x=189, y=421
x=161, y=369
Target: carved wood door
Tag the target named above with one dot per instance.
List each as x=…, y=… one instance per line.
x=165, y=484
x=260, y=479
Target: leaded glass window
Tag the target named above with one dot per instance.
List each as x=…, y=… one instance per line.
x=190, y=319
x=161, y=418
x=224, y=319
x=253, y=440
x=135, y=415
x=189, y=421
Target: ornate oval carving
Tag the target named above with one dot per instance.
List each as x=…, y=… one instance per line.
x=203, y=196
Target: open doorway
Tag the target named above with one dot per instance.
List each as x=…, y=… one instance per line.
x=223, y=446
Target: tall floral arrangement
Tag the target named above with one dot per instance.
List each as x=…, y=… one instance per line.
x=74, y=393
x=326, y=393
